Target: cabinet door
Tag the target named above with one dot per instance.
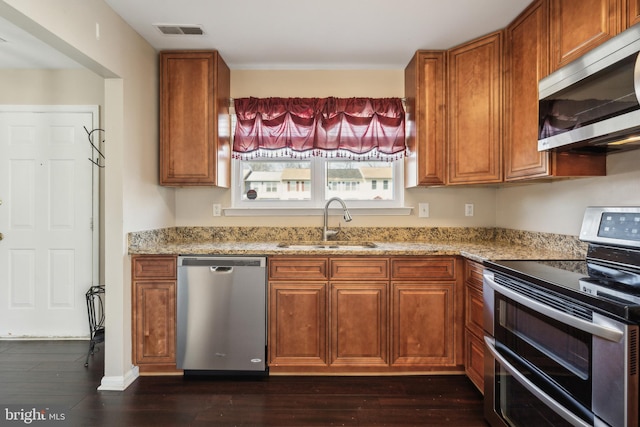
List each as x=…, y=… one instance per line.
x=473, y=299
x=359, y=324
x=527, y=53
x=194, y=93
x=475, y=111
x=422, y=324
x=578, y=26
x=474, y=328
x=633, y=12
x=155, y=322
x=425, y=99
x=297, y=324
x=473, y=310
x=526, y=56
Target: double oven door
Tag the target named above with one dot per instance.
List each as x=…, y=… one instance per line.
x=552, y=361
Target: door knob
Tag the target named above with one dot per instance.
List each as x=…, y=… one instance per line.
x=1, y=236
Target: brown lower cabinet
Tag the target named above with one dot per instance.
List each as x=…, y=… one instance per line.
x=473, y=320
x=367, y=314
x=298, y=323
x=332, y=315
x=358, y=331
x=154, y=284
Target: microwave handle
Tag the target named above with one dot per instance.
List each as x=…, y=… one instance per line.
x=533, y=389
x=604, y=332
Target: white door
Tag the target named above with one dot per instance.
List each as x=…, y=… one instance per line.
x=47, y=254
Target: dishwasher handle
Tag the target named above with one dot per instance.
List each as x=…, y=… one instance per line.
x=221, y=269
x=208, y=261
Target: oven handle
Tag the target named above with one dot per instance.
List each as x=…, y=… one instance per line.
x=605, y=332
x=533, y=389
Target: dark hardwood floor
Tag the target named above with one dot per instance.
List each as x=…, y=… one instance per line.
x=35, y=374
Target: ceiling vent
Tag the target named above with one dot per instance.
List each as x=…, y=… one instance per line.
x=180, y=30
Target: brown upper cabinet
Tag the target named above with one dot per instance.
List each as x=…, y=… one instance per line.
x=424, y=89
x=194, y=126
x=526, y=62
x=578, y=26
x=481, y=125
x=475, y=111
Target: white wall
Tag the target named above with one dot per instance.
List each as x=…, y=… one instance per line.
x=558, y=206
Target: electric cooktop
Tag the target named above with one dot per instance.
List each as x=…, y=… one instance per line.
x=608, y=279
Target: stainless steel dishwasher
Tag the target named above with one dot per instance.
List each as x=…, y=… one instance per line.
x=221, y=315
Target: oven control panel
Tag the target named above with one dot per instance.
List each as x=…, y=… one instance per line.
x=618, y=226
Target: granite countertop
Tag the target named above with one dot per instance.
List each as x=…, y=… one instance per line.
x=480, y=247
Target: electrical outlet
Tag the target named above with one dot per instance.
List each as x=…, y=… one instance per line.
x=423, y=210
x=468, y=209
x=217, y=209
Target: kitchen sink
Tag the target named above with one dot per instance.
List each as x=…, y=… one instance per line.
x=326, y=244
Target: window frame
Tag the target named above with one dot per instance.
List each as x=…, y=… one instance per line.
x=318, y=197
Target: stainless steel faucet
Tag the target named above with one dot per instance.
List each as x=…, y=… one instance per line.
x=347, y=217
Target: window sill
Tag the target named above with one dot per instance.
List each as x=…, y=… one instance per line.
x=404, y=211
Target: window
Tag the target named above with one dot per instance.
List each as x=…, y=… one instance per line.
x=300, y=152
x=311, y=182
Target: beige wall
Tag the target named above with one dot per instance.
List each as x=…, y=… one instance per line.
x=194, y=205
x=553, y=207
x=48, y=87
x=133, y=200
x=317, y=83
x=558, y=207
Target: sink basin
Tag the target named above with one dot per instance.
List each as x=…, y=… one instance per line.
x=327, y=245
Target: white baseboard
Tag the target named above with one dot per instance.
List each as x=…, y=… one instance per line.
x=119, y=383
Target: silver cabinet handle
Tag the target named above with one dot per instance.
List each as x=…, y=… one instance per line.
x=533, y=389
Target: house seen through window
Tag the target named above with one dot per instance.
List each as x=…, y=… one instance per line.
x=295, y=180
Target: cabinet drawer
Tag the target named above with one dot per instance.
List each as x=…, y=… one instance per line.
x=154, y=267
x=359, y=268
x=473, y=274
x=298, y=268
x=424, y=269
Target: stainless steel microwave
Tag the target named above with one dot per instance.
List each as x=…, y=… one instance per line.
x=593, y=103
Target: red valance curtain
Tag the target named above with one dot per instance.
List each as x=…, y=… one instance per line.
x=357, y=128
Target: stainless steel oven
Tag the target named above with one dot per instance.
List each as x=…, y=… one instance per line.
x=562, y=346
